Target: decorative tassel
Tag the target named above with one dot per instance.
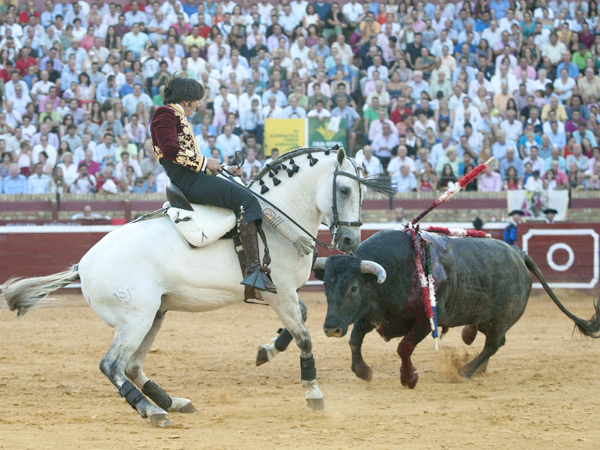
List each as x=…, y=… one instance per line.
x=432, y=298
x=290, y=172
x=276, y=181
x=264, y=189
x=459, y=232
x=312, y=160
x=295, y=168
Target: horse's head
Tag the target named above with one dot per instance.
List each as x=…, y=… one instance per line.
x=339, y=199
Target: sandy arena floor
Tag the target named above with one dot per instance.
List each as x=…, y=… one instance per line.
x=541, y=390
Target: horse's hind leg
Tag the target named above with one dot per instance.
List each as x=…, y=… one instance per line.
x=278, y=344
x=136, y=374
x=128, y=338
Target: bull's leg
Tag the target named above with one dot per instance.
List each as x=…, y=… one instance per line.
x=128, y=338
x=136, y=374
x=287, y=307
x=469, y=333
x=494, y=340
x=278, y=344
x=359, y=367
x=408, y=376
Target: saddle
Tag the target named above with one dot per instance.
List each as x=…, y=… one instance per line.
x=198, y=225
x=201, y=225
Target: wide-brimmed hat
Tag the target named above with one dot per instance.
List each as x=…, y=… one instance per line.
x=516, y=211
x=550, y=211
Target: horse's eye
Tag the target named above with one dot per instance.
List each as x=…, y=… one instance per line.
x=344, y=191
x=354, y=289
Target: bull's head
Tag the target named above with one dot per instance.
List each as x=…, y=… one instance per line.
x=347, y=281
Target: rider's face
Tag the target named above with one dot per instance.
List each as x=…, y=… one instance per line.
x=189, y=107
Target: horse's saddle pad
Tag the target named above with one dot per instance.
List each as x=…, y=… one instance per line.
x=203, y=225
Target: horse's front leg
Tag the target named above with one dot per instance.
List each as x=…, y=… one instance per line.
x=278, y=344
x=287, y=307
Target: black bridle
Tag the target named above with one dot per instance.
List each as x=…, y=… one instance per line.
x=337, y=223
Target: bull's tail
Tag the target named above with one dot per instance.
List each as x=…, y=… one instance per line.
x=30, y=293
x=590, y=327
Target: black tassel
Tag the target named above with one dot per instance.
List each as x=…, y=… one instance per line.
x=313, y=161
x=276, y=181
x=264, y=189
x=328, y=151
x=290, y=173
x=271, y=175
x=295, y=168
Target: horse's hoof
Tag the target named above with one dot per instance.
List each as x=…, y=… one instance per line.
x=262, y=356
x=160, y=420
x=411, y=381
x=469, y=333
x=318, y=404
x=188, y=409
x=363, y=372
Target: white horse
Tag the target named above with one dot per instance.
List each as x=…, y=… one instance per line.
x=138, y=272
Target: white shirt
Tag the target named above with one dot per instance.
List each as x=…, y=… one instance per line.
x=397, y=162
x=352, y=11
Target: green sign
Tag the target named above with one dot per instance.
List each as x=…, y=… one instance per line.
x=320, y=136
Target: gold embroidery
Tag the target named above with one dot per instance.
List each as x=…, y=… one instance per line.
x=189, y=155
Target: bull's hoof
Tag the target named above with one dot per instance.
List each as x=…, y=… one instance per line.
x=410, y=381
x=469, y=333
x=188, y=409
x=262, y=356
x=465, y=371
x=317, y=404
x=363, y=372
x=160, y=420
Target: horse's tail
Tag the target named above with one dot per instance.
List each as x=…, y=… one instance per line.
x=30, y=293
x=590, y=327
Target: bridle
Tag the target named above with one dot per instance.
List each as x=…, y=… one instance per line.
x=337, y=223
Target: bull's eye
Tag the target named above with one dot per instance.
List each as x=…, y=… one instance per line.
x=354, y=289
x=344, y=191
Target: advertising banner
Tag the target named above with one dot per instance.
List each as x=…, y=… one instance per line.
x=327, y=133
x=284, y=134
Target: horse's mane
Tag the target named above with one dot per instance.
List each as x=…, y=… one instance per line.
x=287, y=156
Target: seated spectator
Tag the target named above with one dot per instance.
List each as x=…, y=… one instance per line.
x=89, y=215
x=15, y=183
x=534, y=183
x=84, y=183
x=489, y=181
x=511, y=160
x=352, y=118
x=512, y=181
x=371, y=164
x=591, y=177
x=404, y=180
x=447, y=176
x=451, y=158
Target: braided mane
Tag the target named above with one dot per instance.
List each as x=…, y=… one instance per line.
x=289, y=155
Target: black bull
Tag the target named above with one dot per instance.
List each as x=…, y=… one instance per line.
x=482, y=283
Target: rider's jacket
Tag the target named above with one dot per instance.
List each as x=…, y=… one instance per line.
x=173, y=138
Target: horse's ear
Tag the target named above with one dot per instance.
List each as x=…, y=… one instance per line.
x=341, y=156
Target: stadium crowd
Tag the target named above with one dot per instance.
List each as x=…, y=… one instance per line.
x=429, y=90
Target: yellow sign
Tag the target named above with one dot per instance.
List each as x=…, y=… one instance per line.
x=284, y=135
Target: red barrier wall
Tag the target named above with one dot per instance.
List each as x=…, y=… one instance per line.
x=568, y=254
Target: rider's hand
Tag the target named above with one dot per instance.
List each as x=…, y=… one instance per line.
x=236, y=170
x=213, y=165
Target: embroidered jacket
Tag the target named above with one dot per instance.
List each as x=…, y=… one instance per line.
x=173, y=138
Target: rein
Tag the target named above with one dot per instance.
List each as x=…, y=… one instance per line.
x=232, y=177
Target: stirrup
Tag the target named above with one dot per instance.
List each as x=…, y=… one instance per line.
x=255, y=280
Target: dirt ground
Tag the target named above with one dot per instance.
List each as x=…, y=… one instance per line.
x=541, y=390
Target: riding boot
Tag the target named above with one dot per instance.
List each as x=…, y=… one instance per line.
x=256, y=275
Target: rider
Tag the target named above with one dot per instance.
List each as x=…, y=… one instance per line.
x=175, y=145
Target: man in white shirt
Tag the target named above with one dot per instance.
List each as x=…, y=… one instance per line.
x=298, y=8
x=512, y=128
x=293, y=111
x=376, y=126
x=224, y=94
x=39, y=182
x=352, y=10
x=242, y=75
x=271, y=110
x=299, y=49
x=371, y=164
x=229, y=142
x=493, y=34
x=41, y=88
x=402, y=159
x=135, y=15
x=245, y=100
x=319, y=112
x=438, y=45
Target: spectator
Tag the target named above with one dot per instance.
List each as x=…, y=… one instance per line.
x=84, y=183
x=489, y=181
x=15, y=183
x=89, y=215
x=404, y=180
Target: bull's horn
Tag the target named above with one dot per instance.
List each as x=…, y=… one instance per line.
x=320, y=263
x=373, y=268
